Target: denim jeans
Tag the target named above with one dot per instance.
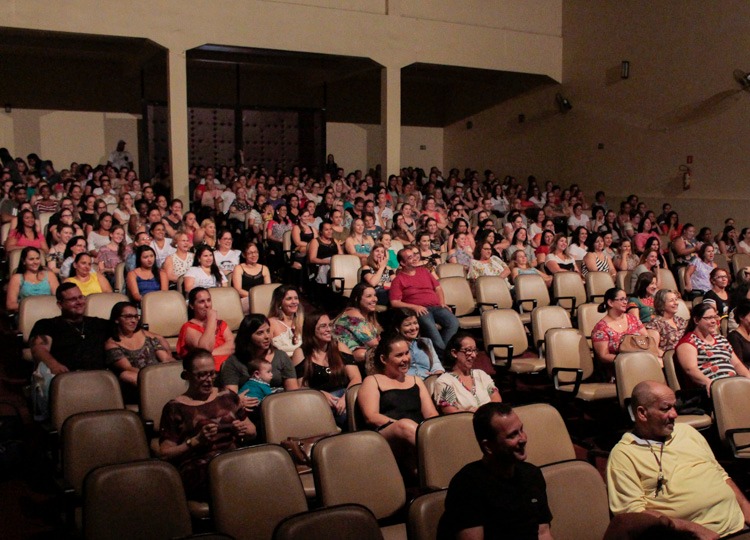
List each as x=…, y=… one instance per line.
x=428, y=325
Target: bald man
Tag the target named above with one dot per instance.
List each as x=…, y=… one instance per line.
x=668, y=469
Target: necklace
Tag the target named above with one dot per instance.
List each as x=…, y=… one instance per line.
x=660, y=480
x=81, y=331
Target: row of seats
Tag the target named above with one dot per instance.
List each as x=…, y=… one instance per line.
x=164, y=312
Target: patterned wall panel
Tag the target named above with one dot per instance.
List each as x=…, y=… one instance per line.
x=271, y=138
x=210, y=136
x=158, y=137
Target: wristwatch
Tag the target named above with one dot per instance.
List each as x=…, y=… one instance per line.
x=190, y=442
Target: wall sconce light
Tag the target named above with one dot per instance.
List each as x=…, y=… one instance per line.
x=8, y=108
x=625, y=69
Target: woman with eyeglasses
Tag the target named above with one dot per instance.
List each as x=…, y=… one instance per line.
x=613, y=327
x=201, y=423
x=704, y=354
x=718, y=294
x=130, y=348
x=462, y=388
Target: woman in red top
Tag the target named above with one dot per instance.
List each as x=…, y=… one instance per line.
x=25, y=234
x=205, y=330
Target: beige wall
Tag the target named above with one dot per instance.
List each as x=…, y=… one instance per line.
x=359, y=146
x=682, y=54
x=65, y=136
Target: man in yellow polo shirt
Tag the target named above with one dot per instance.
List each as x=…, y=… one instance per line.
x=668, y=469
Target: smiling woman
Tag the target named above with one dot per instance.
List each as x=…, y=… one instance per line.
x=393, y=403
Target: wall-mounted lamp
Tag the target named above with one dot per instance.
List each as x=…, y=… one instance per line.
x=625, y=69
x=8, y=108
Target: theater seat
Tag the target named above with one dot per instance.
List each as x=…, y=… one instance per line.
x=164, y=312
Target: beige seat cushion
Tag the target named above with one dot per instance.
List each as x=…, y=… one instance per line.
x=593, y=391
x=470, y=321
x=527, y=365
x=394, y=532
x=698, y=421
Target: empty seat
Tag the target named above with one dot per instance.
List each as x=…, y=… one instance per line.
x=598, y=283
x=634, y=367
x=454, y=431
x=353, y=416
x=101, y=304
x=92, y=439
x=424, y=515
x=622, y=281
x=343, y=522
x=83, y=391
x=670, y=371
x=457, y=292
x=31, y=310
x=492, y=292
x=588, y=316
x=531, y=292
x=577, y=498
x=506, y=342
x=731, y=397
x=549, y=441
x=259, y=297
x=667, y=281
x=568, y=290
x=226, y=301
x=570, y=365
x=447, y=270
x=739, y=261
x=157, y=385
x=143, y=500
x=544, y=318
x=682, y=309
x=253, y=490
x=343, y=276
x=164, y=312
x=303, y=413
x=338, y=466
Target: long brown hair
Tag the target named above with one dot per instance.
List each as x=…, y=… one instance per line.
x=335, y=361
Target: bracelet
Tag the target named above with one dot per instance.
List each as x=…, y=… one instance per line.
x=381, y=428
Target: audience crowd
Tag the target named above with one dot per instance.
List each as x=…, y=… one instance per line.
x=88, y=229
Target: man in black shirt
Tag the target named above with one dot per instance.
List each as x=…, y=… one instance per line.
x=499, y=496
x=71, y=341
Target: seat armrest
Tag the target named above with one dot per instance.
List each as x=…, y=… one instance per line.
x=736, y=448
x=509, y=354
x=593, y=297
x=521, y=301
x=576, y=384
x=572, y=299
x=337, y=289
x=482, y=305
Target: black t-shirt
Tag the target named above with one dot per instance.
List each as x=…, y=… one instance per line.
x=76, y=346
x=506, y=507
x=321, y=376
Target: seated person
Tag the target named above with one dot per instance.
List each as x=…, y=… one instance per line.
x=704, y=354
x=462, y=388
x=392, y=403
x=416, y=288
x=69, y=342
x=200, y=424
x=130, y=348
x=258, y=386
x=30, y=279
x=499, y=496
x=668, y=469
x=740, y=338
x=204, y=329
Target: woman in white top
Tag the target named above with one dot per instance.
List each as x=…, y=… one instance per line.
x=161, y=245
x=286, y=317
x=204, y=272
x=577, y=248
x=557, y=260
x=462, y=388
x=178, y=263
x=226, y=258
x=743, y=246
x=125, y=209
x=99, y=237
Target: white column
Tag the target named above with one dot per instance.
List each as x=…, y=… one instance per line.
x=178, y=125
x=390, y=119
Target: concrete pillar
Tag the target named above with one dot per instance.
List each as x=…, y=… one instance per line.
x=390, y=119
x=178, y=125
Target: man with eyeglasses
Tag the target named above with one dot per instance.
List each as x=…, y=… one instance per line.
x=667, y=470
x=70, y=342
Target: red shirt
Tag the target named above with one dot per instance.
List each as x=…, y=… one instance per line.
x=418, y=289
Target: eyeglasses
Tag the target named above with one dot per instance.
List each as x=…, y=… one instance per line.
x=204, y=375
x=469, y=351
x=622, y=299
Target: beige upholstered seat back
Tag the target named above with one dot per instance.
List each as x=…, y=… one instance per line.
x=302, y=413
x=549, y=441
x=598, y=283
x=226, y=301
x=82, y=391
x=143, y=499
x=531, y=287
x=493, y=290
x=101, y=304
x=157, y=385
x=454, y=431
x=253, y=490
